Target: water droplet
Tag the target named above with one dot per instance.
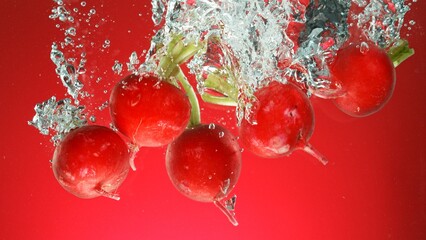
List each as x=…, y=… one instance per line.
x=230, y=203
x=107, y=44
x=364, y=48
x=117, y=67
x=212, y=126
x=83, y=4
x=60, y=116
x=113, y=127
x=103, y=106
x=71, y=31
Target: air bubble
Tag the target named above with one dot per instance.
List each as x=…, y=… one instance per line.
x=364, y=48
x=133, y=62
x=117, y=67
x=71, y=31
x=113, y=127
x=107, y=44
x=103, y=106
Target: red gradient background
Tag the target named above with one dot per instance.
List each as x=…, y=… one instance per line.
x=373, y=188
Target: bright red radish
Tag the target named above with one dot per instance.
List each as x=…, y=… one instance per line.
x=367, y=78
x=91, y=161
x=282, y=121
x=204, y=164
x=150, y=112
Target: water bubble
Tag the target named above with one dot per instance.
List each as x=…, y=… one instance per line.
x=158, y=9
x=81, y=70
x=107, y=44
x=60, y=116
x=68, y=41
x=113, y=127
x=57, y=57
x=103, y=106
x=83, y=3
x=212, y=126
x=133, y=62
x=230, y=203
x=221, y=134
x=364, y=48
x=117, y=67
x=71, y=31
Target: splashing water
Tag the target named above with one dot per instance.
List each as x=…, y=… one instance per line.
x=69, y=55
x=66, y=72
x=59, y=116
x=251, y=42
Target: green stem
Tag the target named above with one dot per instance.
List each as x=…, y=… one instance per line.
x=166, y=61
x=195, y=107
x=400, y=52
x=223, y=101
x=221, y=85
x=180, y=55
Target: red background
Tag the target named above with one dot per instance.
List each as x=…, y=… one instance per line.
x=373, y=188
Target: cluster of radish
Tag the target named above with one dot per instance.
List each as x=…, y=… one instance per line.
x=203, y=160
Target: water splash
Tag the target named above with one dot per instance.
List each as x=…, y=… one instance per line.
x=60, y=117
x=381, y=21
x=67, y=72
x=257, y=41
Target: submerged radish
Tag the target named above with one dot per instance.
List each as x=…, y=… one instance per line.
x=91, y=161
x=367, y=78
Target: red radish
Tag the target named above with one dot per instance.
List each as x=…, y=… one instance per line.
x=204, y=164
x=283, y=121
x=367, y=78
x=91, y=161
x=150, y=112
